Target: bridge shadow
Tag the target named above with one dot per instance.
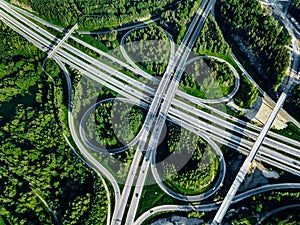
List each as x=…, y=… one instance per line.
x=55, y=40
x=52, y=45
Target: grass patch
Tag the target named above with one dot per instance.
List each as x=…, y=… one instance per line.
x=194, y=92
x=92, y=41
x=114, y=53
x=227, y=58
x=2, y=221
x=153, y=196
x=291, y=131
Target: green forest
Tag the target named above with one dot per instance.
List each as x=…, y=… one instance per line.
x=149, y=47
x=259, y=205
x=177, y=21
x=208, y=79
x=96, y=14
x=36, y=164
x=246, y=24
x=287, y=217
x=247, y=94
x=211, y=40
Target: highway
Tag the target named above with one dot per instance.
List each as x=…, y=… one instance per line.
x=151, y=91
x=243, y=170
x=137, y=70
x=170, y=96
x=128, y=89
x=117, y=218
x=150, y=118
x=125, y=65
x=273, y=144
x=179, y=62
x=133, y=91
x=213, y=206
x=199, y=101
x=141, y=146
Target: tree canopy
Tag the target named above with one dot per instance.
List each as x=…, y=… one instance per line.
x=36, y=164
x=258, y=35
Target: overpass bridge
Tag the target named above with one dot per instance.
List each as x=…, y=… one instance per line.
x=247, y=163
x=53, y=51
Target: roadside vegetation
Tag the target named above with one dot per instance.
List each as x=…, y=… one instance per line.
x=259, y=37
x=18, y=67
x=293, y=103
x=34, y=157
x=247, y=93
x=291, y=131
x=96, y=14
x=2, y=221
x=211, y=40
x=149, y=47
x=177, y=21
x=194, y=176
x=153, y=195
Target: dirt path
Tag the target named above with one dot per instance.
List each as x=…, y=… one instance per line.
x=260, y=112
